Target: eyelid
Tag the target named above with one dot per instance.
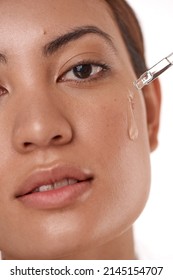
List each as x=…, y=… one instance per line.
x=104, y=66
x=95, y=57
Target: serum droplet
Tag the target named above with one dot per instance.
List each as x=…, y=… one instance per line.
x=132, y=126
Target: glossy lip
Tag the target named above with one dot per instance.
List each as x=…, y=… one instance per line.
x=57, y=198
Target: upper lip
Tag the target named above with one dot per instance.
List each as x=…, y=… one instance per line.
x=48, y=176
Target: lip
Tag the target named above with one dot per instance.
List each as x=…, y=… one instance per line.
x=57, y=198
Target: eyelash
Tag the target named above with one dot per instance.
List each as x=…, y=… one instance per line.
x=94, y=77
x=104, y=69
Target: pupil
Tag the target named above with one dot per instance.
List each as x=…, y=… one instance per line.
x=82, y=71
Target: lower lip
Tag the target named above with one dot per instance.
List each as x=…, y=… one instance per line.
x=58, y=198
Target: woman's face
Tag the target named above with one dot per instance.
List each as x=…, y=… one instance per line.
x=69, y=115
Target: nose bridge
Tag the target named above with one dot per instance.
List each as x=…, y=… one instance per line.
x=39, y=120
x=37, y=107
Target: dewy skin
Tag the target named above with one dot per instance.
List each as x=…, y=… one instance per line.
x=132, y=126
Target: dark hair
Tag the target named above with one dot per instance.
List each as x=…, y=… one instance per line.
x=130, y=32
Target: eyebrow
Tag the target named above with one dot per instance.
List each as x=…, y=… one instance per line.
x=63, y=40
x=73, y=35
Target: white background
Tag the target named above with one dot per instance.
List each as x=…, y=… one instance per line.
x=154, y=228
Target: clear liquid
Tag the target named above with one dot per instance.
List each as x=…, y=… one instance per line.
x=132, y=126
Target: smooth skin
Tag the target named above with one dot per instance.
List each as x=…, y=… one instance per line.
x=50, y=117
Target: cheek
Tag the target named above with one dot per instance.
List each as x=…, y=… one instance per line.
x=122, y=165
x=120, y=188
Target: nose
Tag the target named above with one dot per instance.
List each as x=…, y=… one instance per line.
x=39, y=124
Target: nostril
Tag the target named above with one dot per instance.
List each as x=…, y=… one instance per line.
x=57, y=137
x=27, y=144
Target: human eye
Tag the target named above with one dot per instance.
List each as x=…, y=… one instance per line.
x=3, y=91
x=85, y=71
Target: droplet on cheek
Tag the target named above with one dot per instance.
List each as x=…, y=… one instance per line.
x=132, y=126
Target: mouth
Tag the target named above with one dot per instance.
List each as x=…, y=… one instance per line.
x=57, y=185
x=55, y=188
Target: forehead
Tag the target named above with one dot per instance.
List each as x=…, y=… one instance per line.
x=53, y=14
x=37, y=7
x=28, y=25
